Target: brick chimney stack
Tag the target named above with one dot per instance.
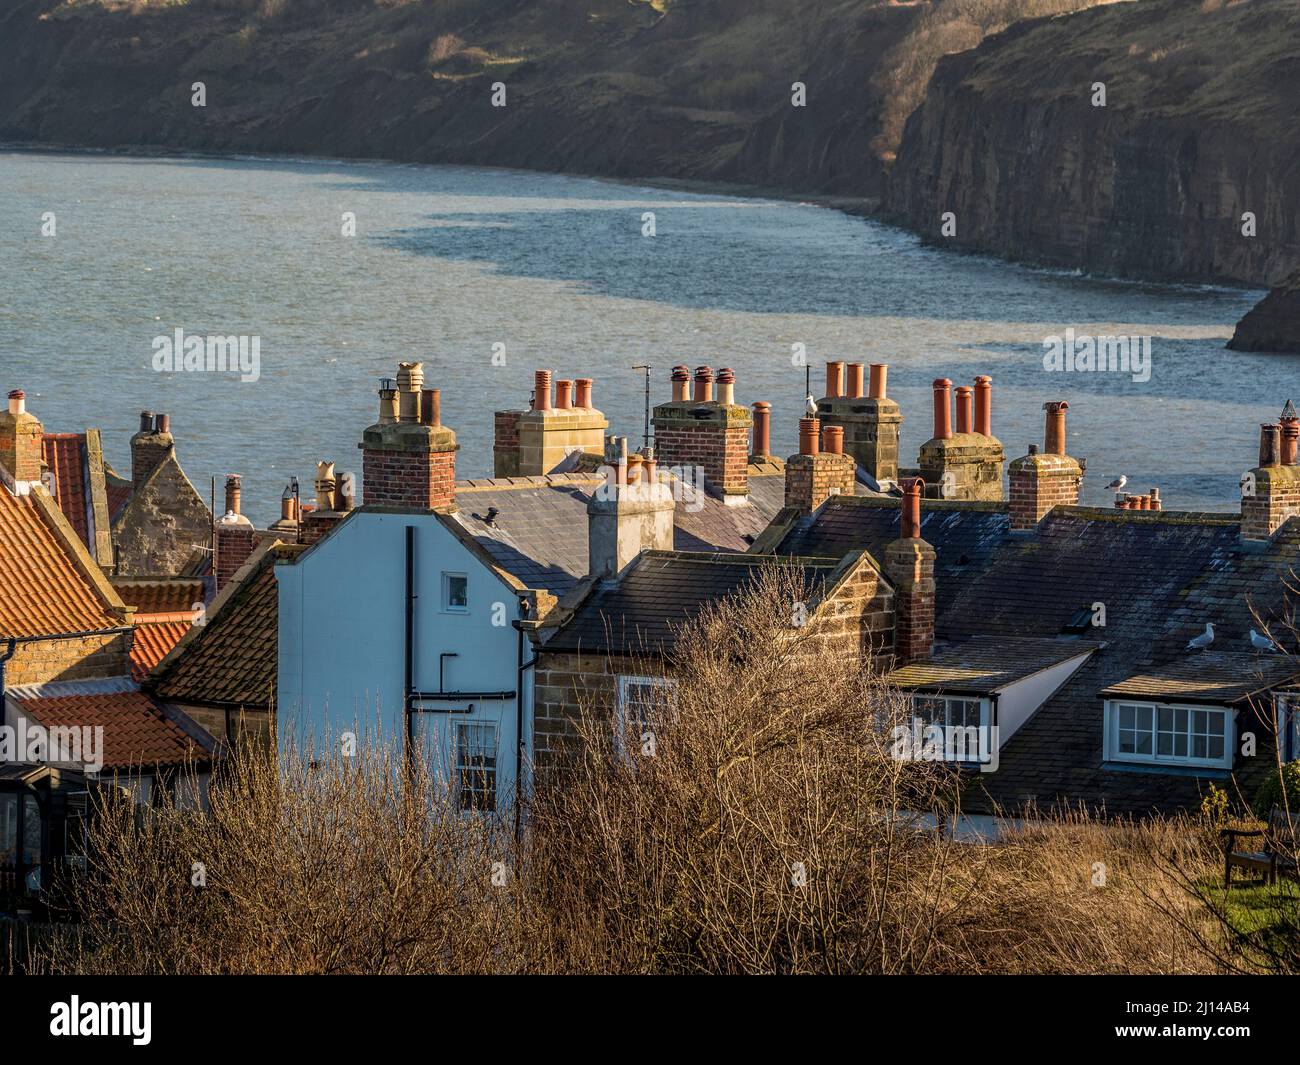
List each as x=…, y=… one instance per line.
x=909, y=565
x=21, y=436
x=150, y=446
x=631, y=512
x=712, y=434
x=816, y=474
x=1041, y=481
x=1270, y=493
x=966, y=463
x=408, y=463
x=233, y=538
x=870, y=422
x=544, y=438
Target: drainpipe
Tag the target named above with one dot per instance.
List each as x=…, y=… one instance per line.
x=408, y=650
x=10, y=647
x=519, y=723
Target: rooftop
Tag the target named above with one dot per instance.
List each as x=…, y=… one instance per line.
x=1220, y=678
x=987, y=664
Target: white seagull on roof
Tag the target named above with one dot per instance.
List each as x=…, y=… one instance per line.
x=1117, y=485
x=1261, y=643
x=810, y=406
x=1201, y=642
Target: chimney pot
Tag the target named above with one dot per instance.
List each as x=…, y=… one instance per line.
x=17, y=401
x=542, y=390
x=146, y=421
x=910, y=520
x=583, y=397
x=879, y=380
x=1054, y=433
x=854, y=375
x=1290, y=437
x=681, y=383
x=703, y=384
x=563, y=394
x=809, y=429
x=942, y=409
x=964, y=397
x=834, y=379
x=833, y=439
x=726, y=387
x=762, y=430
x=1270, y=444
x=233, y=494
x=431, y=408
x=984, y=405
x=162, y=423
x=410, y=380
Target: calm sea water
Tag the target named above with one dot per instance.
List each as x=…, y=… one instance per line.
x=449, y=262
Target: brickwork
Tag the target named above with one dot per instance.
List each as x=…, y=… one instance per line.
x=233, y=545
x=20, y=445
x=148, y=451
x=812, y=479
x=1270, y=495
x=1039, y=483
x=505, y=446
x=414, y=477
x=709, y=435
x=909, y=565
x=79, y=658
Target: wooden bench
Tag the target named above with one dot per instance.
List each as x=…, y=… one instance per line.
x=1275, y=855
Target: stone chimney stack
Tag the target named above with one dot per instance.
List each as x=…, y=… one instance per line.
x=870, y=422
x=408, y=462
x=814, y=475
x=967, y=463
x=1270, y=493
x=712, y=434
x=909, y=565
x=150, y=446
x=628, y=513
x=1040, y=482
x=21, y=436
x=543, y=439
x=233, y=538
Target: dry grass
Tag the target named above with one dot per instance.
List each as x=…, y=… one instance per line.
x=768, y=831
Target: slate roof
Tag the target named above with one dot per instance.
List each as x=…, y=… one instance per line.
x=642, y=611
x=539, y=533
x=987, y=664
x=230, y=660
x=1208, y=677
x=965, y=536
x=48, y=582
x=137, y=731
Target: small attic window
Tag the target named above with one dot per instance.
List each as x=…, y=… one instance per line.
x=1080, y=622
x=455, y=593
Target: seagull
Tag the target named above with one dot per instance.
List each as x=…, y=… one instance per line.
x=1117, y=485
x=810, y=406
x=1261, y=643
x=1201, y=642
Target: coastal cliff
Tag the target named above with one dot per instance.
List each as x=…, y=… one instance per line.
x=1274, y=323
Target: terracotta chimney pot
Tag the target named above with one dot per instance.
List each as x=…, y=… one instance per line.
x=942, y=409
x=162, y=423
x=1290, y=438
x=1270, y=444
x=762, y=429
x=1054, y=435
x=834, y=379
x=583, y=396
x=964, y=397
x=809, y=429
x=703, y=384
x=431, y=408
x=984, y=405
x=563, y=394
x=233, y=494
x=854, y=387
x=879, y=380
x=726, y=387
x=542, y=390
x=910, y=523
x=833, y=439
x=681, y=383
x=17, y=401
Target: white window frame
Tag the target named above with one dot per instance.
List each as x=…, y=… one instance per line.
x=985, y=715
x=447, y=607
x=461, y=765
x=626, y=681
x=1111, y=723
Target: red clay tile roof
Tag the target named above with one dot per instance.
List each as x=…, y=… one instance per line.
x=161, y=596
x=41, y=589
x=155, y=635
x=119, y=495
x=64, y=454
x=135, y=730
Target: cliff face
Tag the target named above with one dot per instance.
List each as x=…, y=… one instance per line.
x=1198, y=129
x=613, y=87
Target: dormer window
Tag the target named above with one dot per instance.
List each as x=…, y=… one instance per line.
x=1168, y=734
